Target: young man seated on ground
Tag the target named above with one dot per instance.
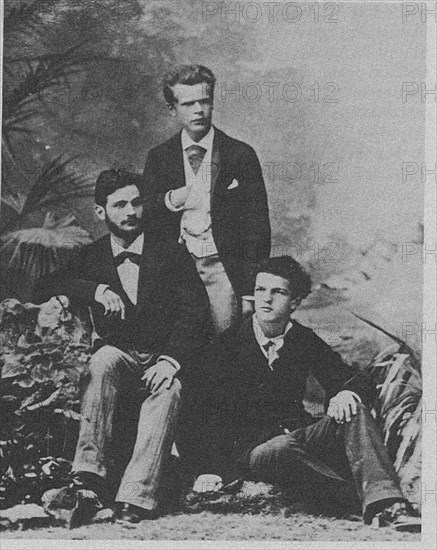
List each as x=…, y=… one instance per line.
x=256, y=428
x=149, y=308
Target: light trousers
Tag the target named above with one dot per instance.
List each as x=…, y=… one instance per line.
x=112, y=374
x=223, y=302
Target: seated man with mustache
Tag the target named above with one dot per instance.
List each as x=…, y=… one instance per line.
x=149, y=308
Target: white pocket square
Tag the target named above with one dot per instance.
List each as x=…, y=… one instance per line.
x=233, y=185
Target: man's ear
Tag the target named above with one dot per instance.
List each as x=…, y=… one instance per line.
x=100, y=212
x=171, y=109
x=295, y=303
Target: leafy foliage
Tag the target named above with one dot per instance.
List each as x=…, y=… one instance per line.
x=29, y=254
x=38, y=251
x=31, y=69
x=40, y=75
x=53, y=183
x=40, y=381
x=399, y=409
x=29, y=74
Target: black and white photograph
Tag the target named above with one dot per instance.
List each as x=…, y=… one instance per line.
x=218, y=274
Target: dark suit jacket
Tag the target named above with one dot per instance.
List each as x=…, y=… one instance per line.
x=246, y=403
x=239, y=216
x=172, y=304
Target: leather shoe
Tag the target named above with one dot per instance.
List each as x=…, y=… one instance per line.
x=88, y=492
x=86, y=507
x=399, y=517
x=133, y=514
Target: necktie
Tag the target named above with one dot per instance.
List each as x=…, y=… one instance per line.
x=134, y=258
x=195, y=155
x=269, y=349
x=268, y=346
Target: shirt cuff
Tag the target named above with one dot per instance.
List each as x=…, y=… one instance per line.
x=99, y=292
x=172, y=361
x=357, y=397
x=248, y=298
x=169, y=204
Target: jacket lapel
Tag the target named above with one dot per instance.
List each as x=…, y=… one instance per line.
x=251, y=351
x=292, y=355
x=215, y=161
x=151, y=262
x=175, y=163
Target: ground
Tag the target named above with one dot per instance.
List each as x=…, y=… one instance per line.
x=264, y=516
x=208, y=526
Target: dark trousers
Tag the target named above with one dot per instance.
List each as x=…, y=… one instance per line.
x=350, y=458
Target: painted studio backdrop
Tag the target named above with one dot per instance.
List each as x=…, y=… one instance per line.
x=326, y=93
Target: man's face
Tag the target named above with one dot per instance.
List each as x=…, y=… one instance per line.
x=193, y=108
x=123, y=212
x=274, y=301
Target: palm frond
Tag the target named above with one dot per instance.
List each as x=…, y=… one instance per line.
x=10, y=163
x=56, y=184
x=7, y=69
x=37, y=251
x=398, y=415
x=404, y=347
x=48, y=71
x=410, y=435
x=16, y=201
x=398, y=412
x=23, y=18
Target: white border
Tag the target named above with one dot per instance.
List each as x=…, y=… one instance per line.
x=429, y=475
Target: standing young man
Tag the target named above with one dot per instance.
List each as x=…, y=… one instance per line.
x=149, y=308
x=208, y=191
x=257, y=427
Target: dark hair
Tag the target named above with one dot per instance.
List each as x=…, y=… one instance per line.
x=110, y=180
x=189, y=75
x=288, y=268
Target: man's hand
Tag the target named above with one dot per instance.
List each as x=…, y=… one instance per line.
x=207, y=483
x=343, y=406
x=178, y=196
x=112, y=303
x=162, y=373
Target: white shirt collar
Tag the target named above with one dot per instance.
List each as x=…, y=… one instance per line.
x=205, y=142
x=136, y=246
x=262, y=339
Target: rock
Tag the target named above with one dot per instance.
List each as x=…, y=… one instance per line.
x=54, y=313
x=25, y=516
x=59, y=503
x=252, y=489
x=27, y=323
x=104, y=516
x=5, y=524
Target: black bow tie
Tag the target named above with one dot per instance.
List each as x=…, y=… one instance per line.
x=120, y=258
